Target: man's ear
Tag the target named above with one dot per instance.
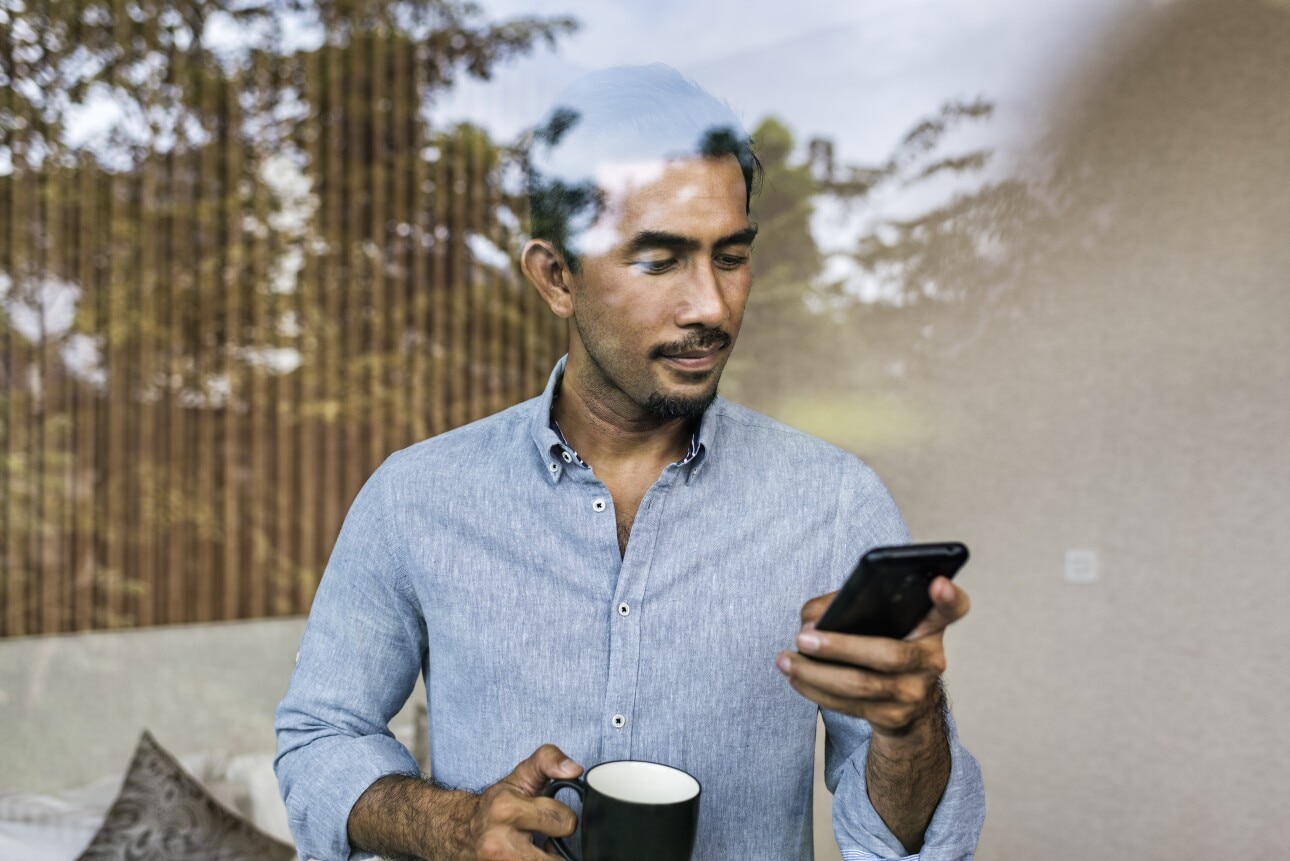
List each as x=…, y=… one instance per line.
x=547, y=270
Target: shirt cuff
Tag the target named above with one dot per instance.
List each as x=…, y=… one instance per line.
x=951, y=835
x=332, y=774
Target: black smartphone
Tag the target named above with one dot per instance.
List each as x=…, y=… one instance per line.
x=886, y=594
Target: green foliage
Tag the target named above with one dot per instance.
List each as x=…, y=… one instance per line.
x=807, y=335
x=266, y=246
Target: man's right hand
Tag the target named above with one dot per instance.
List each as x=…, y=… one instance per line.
x=511, y=811
x=401, y=815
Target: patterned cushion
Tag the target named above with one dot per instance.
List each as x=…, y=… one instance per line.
x=163, y=814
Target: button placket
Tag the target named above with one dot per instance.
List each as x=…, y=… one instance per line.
x=625, y=634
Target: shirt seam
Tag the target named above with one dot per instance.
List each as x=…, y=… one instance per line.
x=387, y=512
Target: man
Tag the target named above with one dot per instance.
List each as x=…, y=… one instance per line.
x=619, y=568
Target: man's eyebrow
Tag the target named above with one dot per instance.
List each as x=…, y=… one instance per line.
x=742, y=237
x=647, y=240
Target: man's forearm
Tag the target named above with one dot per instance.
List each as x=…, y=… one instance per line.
x=406, y=817
x=907, y=774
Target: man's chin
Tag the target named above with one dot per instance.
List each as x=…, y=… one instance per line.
x=675, y=406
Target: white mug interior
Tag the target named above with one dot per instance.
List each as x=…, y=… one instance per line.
x=642, y=782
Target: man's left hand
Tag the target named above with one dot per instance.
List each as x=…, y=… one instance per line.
x=893, y=684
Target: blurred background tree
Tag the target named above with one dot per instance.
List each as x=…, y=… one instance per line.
x=863, y=271
x=238, y=268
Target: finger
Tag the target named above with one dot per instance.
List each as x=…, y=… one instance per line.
x=888, y=716
x=814, y=608
x=881, y=654
x=889, y=700
x=511, y=845
x=949, y=604
x=834, y=680
x=540, y=815
x=834, y=702
x=548, y=761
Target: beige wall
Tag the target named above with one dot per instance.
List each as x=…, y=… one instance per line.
x=1129, y=394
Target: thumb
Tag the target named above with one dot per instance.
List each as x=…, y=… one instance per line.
x=545, y=763
x=949, y=604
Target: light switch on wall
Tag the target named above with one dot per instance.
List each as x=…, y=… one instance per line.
x=1081, y=566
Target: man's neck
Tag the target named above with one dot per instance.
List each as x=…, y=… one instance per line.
x=610, y=437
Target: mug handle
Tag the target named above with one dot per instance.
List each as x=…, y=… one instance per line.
x=551, y=789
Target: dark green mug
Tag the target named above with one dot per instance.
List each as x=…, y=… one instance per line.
x=634, y=811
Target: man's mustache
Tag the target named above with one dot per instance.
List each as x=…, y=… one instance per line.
x=703, y=340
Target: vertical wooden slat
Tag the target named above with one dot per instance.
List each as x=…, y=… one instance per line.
x=15, y=438
x=404, y=239
x=114, y=501
x=70, y=521
x=261, y=422
x=328, y=468
x=441, y=347
x=423, y=283
x=458, y=285
x=25, y=289
x=181, y=167
x=472, y=282
x=379, y=171
x=205, y=258
x=496, y=291
x=37, y=382
x=302, y=506
x=8, y=483
x=231, y=365
x=409, y=202
x=53, y=414
x=282, y=407
x=88, y=406
x=144, y=465
x=357, y=286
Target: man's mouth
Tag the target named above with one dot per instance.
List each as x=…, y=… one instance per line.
x=698, y=350
x=696, y=357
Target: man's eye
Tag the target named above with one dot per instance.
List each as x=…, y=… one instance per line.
x=731, y=261
x=655, y=267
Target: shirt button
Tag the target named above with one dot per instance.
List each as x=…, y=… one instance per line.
x=568, y=458
x=598, y=505
x=555, y=467
x=623, y=609
x=619, y=721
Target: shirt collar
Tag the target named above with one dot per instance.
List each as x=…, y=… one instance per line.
x=558, y=455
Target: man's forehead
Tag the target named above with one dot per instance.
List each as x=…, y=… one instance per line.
x=689, y=197
x=678, y=178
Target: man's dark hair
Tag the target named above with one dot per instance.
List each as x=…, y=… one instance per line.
x=623, y=114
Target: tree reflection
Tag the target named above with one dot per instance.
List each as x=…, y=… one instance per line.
x=238, y=268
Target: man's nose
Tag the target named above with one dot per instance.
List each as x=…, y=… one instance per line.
x=704, y=303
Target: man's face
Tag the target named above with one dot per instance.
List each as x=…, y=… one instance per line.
x=665, y=276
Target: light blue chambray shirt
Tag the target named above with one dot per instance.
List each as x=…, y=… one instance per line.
x=486, y=559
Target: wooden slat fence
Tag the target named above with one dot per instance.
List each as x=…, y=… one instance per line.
x=215, y=325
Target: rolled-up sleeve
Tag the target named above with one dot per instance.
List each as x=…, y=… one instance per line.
x=862, y=835
x=868, y=517
x=363, y=648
